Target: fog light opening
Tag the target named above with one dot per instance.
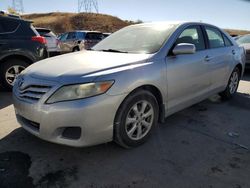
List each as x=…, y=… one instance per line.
x=73, y=133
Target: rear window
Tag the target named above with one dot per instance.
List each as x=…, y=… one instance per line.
x=8, y=26
x=94, y=36
x=227, y=41
x=46, y=33
x=215, y=38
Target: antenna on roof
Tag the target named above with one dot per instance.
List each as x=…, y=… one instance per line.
x=17, y=5
x=87, y=6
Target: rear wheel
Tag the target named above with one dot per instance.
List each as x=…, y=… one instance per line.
x=135, y=119
x=9, y=71
x=232, y=85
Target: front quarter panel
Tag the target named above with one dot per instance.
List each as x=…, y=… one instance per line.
x=151, y=72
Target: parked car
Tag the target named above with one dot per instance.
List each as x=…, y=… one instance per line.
x=20, y=46
x=128, y=82
x=52, y=41
x=78, y=40
x=245, y=42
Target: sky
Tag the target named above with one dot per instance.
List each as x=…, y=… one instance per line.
x=228, y=14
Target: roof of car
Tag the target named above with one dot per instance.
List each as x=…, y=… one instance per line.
x=86, y=31
x=41, y=28
x=4, y=14
x=177, y=23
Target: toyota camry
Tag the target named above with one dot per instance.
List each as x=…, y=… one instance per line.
x=121, y=88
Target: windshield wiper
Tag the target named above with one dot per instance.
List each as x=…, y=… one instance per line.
x=113, y=50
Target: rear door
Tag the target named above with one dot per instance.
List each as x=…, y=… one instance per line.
x=3, y=40
x=219, y=58
x=7, y=28
x=188, y=78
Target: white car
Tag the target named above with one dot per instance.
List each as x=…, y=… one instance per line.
x=52, y=41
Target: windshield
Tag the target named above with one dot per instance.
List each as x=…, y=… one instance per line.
x=146, y=39
x=244, y=39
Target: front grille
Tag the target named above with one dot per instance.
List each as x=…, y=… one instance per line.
x=33, y=92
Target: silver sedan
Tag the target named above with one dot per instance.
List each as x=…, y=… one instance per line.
x=127, y=83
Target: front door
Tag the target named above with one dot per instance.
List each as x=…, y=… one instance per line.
x=63, y=43
x=188, y=78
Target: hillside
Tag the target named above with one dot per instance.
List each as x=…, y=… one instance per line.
x=235, y=32
x=61, y=22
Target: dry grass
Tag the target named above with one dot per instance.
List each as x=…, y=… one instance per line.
x=63, y=22
x=235, y=32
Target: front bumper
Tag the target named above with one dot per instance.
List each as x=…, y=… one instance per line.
x=93, y=116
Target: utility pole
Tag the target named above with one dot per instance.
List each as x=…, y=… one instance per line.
x=17, y=5
x=87, y=6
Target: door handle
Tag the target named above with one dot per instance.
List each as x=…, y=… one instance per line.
x=233, y=52
x=208, y=58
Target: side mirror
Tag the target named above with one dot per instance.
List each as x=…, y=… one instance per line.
x=184, y=48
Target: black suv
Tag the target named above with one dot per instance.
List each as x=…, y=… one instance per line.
x=20, y=46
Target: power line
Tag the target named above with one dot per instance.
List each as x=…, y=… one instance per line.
x=17, y=5
x=87, y=6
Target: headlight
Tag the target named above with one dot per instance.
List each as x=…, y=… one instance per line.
x=79, y=91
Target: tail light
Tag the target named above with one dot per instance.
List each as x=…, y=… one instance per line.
x=39, y=39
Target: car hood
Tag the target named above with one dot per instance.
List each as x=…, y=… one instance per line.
x=79, y=64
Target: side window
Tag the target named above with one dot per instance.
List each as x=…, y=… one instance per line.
x=71, y=35
x=64, y=37
x=215, y=38
x=194, y=36
x=80, y=35
x=94, y=36
x=8, y=26
x=227, y=41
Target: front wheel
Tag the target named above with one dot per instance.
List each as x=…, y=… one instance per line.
x=232, y=85
x=76, y=49
x=135, y=119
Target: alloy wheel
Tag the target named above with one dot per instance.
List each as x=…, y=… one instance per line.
x=234, y=81
x=139, y=120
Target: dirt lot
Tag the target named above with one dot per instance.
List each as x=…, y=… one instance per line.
x=206, y=145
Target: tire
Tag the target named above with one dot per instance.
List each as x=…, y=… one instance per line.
x=76, y=49
x=129, y=125
x=232, y=85
x=13, y=67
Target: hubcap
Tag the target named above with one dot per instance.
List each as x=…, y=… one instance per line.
x=12, y=72
x=139, y=120
x=234, y=81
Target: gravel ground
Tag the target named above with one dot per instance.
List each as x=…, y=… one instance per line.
x=206, y=145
